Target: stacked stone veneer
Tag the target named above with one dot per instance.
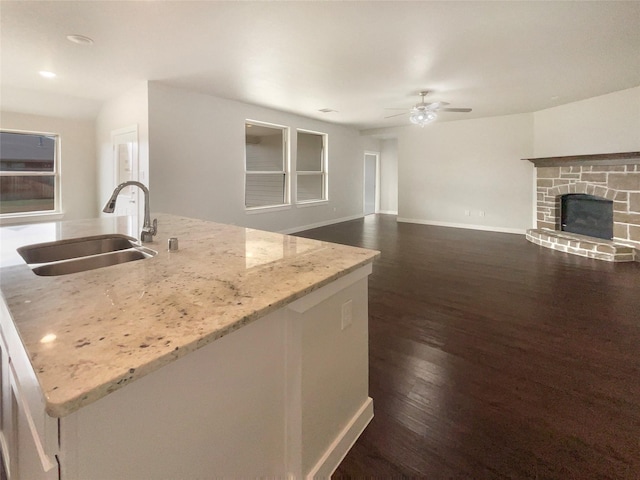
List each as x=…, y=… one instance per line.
x=619, y=183
x=583, y=245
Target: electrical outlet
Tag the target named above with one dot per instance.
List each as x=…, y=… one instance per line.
x=467, y=213
x=347, y=313
x=481, y=213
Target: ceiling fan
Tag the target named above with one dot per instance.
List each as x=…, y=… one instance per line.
x=423, y=113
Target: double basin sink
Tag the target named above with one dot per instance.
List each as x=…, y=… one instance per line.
x=81, y=254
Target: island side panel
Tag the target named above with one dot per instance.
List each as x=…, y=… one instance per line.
x=333, y=373
x=218, y=411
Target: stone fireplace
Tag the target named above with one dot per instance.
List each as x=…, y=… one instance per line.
x=604, y=177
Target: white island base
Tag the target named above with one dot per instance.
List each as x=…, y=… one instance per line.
x=284, y=396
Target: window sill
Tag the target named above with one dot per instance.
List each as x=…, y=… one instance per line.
x=271, y=208
x=312, y=203
x=17, y=219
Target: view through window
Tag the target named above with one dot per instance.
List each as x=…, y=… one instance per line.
x=266, y=182
x=27, y=172
x=311, y=166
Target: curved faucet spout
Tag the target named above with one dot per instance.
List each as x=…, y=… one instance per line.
x=148, y=229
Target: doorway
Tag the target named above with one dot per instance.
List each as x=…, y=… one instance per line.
x=125, y=167
x=371, y=182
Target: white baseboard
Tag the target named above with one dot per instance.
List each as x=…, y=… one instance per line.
x=389, y=212
x=342, y=443
x=320, y=224
x=487, y=228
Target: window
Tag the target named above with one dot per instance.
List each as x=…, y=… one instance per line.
x=266, y=162
x=311, y=167
x=28, y=173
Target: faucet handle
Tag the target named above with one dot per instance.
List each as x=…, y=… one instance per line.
x=148, y=232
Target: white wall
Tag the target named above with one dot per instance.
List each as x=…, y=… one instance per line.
x=370, y=144
x=41, y=103
x=197, y=161
x=605, y=124
x=77, y=158
x=130, y=108
x=447, y=168
x=389, y=176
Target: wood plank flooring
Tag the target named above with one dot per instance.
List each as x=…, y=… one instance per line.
x=493, y=358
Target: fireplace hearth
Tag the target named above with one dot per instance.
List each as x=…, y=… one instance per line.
x=607, y=186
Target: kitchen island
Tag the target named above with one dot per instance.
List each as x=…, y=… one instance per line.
x=242, y=354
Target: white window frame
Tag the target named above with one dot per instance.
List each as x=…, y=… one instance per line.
x=285, y=163
x=33, y=216
x=323, y=172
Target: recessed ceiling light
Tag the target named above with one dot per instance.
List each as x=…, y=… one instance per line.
x=80, y=39
x=45, y=74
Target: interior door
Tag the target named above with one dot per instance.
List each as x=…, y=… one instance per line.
x=125, y=160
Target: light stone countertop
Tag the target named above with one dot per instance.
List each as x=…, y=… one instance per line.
x=116, y=324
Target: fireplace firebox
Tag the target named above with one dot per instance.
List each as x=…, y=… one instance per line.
x=587, y=215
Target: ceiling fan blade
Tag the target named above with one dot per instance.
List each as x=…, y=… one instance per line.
x=462, y=110
x=396, y=115
x=436, y=105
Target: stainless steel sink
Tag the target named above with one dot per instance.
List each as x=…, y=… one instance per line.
x=74, y=248
x=81, y=254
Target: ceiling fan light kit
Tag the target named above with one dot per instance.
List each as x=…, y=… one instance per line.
x=422, y=116
x=424, y=113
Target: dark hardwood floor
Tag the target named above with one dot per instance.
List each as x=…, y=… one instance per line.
x=491, y=357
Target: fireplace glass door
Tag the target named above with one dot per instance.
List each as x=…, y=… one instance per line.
x=587, y=215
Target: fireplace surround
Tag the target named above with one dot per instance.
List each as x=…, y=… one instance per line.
x=614, y=177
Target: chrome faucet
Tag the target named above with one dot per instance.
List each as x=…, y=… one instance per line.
x=148, y=229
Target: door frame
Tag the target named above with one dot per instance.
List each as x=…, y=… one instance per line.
x=376, y=208
x=135, y=170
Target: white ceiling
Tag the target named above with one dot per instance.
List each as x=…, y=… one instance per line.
x=354, y=57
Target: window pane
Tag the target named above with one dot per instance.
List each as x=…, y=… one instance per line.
x=310, y=187
x=309, y=152
x=26, y=152
x=265, y=148
x=263, y=189
x=27, y=194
